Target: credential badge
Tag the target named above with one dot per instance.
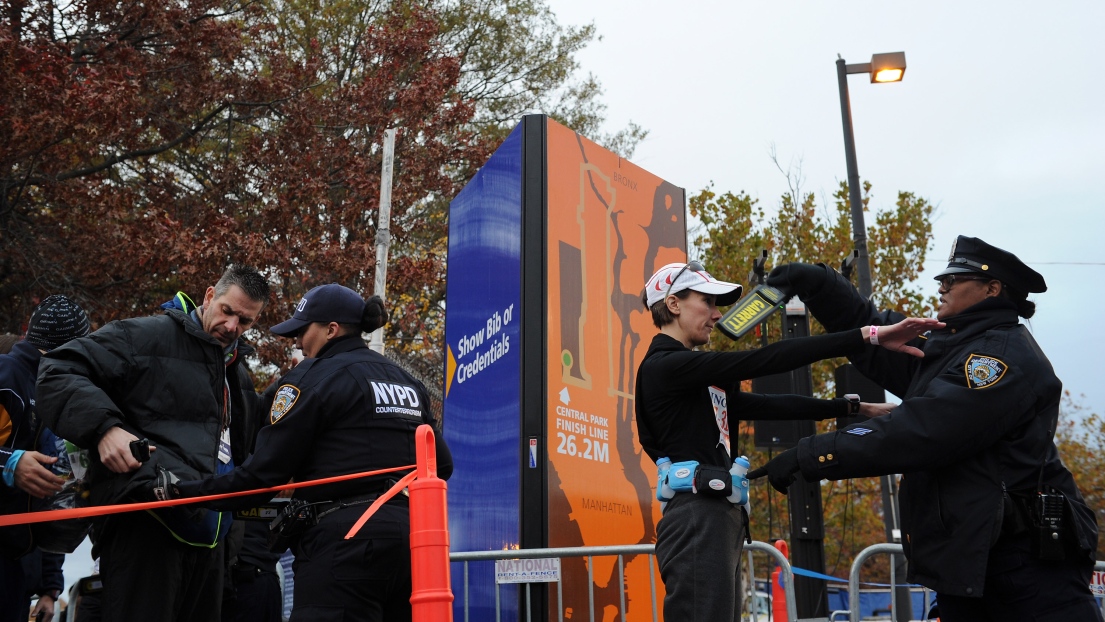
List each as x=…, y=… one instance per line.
x=283, y=402
x=983, y=371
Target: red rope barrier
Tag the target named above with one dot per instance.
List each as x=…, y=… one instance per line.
x=102, y=510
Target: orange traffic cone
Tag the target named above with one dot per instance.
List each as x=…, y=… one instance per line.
x=431, y=593
x=778, y=594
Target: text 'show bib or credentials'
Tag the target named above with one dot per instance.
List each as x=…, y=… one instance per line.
x=544, y=570
x=478, y=351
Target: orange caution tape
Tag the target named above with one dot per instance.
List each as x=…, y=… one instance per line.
x=102, y=510
x=394, y=490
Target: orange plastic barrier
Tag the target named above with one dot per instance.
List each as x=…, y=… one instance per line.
x=778, y=594
x=431, y=593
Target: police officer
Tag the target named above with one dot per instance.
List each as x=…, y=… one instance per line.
x=992, y=519
x=344, y=409
x=684, y=403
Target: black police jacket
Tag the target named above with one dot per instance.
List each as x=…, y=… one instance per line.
x=350, y=410
x=978, y=414
x=160, y=377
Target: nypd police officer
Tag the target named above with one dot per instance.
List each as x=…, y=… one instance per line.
x=344, y=409
x=992, y=519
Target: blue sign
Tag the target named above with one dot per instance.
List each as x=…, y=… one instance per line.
x=482, y=376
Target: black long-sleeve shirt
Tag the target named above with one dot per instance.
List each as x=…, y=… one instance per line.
x=686, y=399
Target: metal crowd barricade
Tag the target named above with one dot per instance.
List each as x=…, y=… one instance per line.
x=853, y=577
x=599, y=551
x=890, y=549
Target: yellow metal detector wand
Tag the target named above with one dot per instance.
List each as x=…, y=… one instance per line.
x=755, y=307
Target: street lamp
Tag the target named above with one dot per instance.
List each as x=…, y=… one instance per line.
x=883, y=68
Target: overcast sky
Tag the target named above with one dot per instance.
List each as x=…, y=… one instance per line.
x=1000, y=122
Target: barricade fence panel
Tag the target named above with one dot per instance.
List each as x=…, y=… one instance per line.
x=527, y=574
x=542, y=570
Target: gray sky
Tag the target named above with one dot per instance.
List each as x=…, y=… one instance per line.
x=999, y=122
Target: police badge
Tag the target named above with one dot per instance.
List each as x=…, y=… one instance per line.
x=983, y=371
x=283, y=402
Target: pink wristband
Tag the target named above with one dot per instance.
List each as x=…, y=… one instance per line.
x=873, y=335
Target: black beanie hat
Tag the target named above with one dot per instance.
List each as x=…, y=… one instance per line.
x=56, y=321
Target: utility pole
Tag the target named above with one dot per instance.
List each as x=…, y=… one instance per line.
x=383, y=232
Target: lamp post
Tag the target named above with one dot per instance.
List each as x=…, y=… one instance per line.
x=883, y=68
x=888, y=67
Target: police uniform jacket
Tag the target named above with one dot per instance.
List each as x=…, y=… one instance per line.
x=977, y=417
x=349, y=410
x=685, y=398
x=160, y=377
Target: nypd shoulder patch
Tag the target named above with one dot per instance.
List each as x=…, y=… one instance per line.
x=859, y=431
x=285, y=398
x=983, y=371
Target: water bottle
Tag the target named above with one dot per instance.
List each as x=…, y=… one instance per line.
x=739, y=473
x=664, y=493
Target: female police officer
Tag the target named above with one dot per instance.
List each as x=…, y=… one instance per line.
x=992, y=519
x=344, y=409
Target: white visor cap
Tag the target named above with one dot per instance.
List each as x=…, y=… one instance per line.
x=698, y=280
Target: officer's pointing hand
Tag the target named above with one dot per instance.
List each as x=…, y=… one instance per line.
x=895, y=336
x=780, y=470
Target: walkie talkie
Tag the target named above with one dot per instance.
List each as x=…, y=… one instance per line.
x=1048, y=538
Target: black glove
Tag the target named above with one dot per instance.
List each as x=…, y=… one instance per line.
x=797, y=279
x=780, y=470
x=163, y=487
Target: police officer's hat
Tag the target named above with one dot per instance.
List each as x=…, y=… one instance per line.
x=325, y=303
x=975, y=256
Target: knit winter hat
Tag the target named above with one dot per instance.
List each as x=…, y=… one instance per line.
x=56, y=321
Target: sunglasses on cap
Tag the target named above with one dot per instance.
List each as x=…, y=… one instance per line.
x=949, y=280
x=694, y=266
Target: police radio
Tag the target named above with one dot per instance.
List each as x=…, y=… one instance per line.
x=296, y=517
x=1047, y=522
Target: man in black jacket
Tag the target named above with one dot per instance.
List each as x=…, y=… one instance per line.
x=177, y=380
x=992, y=519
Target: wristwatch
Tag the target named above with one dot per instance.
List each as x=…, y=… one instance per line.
x=853, y=404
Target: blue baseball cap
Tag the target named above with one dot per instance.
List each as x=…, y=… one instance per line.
x=325, y=303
